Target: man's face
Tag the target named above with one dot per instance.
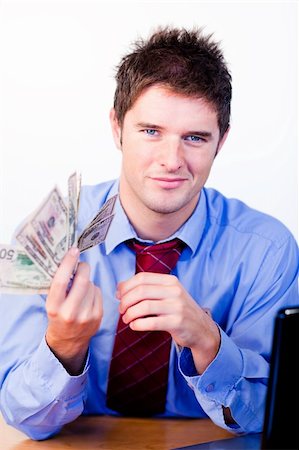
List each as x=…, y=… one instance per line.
x=169, y=142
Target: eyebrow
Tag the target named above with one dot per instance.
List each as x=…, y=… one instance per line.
x=148, y=125
x=206, y=134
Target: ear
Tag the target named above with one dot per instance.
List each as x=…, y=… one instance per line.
x=116, y=129
x=222, y=140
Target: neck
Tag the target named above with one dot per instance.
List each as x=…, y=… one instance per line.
x=154, y=226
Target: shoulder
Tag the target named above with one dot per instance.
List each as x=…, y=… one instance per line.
x=234, y=215
x=92, y=198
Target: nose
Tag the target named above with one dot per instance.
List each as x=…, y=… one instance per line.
x=171, y=155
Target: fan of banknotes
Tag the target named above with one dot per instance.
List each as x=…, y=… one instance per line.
x=45, y=236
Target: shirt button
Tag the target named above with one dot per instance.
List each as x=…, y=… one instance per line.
x=210, y=387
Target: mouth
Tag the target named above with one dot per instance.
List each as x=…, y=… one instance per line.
x=169, y=182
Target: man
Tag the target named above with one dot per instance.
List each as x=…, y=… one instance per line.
x=235, y=267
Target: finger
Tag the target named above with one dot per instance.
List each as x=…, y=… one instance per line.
x=98, y=304
x=146, y=308
x=81, y=291
x=150, y=324
x=144, y=292
x=62, y=277
x=144, y=278
x=91, y=309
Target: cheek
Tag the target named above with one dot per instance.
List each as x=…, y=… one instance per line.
x=133, y=163
x=199, y=165
x=136, y=155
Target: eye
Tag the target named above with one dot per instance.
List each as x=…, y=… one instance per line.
x=194, y=138
x=150, y=131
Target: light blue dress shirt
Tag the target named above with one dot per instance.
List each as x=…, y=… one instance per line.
x=240, y=264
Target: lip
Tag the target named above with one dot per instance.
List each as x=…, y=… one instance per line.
x=169, y=182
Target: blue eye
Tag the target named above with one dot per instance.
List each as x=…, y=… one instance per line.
x=193, y=138
x=150, y=131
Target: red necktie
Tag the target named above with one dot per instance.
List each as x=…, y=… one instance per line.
x=138, y=373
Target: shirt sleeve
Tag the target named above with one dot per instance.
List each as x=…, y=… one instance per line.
x=37, y=394
x=237, y=377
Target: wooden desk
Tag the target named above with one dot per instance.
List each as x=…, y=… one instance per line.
x=109, y=433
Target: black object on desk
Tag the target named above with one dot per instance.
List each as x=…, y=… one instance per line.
x=281, y=422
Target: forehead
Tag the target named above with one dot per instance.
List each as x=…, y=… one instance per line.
x=159, y=103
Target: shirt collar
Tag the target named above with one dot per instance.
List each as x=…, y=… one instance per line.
x=121, y=229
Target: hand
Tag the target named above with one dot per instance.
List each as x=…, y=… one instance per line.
x=74, y=316
x=153, y=301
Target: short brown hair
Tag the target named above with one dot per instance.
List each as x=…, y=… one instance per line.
x=186, y=62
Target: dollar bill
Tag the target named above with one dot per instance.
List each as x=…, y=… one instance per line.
x=96, y=231
x=105, y=211
x=79, y=180
x=44, y=238
x=19, y=274
x=73, y=206
x=50, y=224
x=29, y=240
x=95, y=234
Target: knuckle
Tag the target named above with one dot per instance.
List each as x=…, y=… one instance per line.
x=51, y=312
x=83, y=280
x=141, y=291
x=142, y=276
x=148, y=307
x=97, y=316
x=177, y=290
x=172, y=280
x=84, y=321
x=68, y=318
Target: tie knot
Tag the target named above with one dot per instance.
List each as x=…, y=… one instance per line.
x=158, y=258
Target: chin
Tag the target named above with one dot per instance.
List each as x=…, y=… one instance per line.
x=166, y=207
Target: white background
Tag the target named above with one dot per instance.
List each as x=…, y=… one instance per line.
x=58, y=61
